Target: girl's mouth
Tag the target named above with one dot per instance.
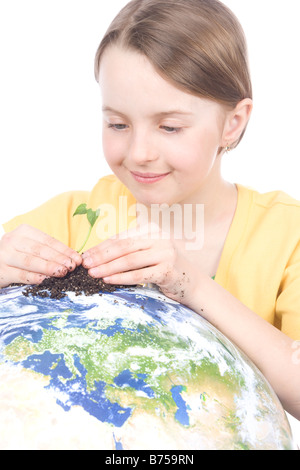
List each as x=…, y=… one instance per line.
x=148, y=178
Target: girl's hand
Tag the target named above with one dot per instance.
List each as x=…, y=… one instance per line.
x=28, y=256
x=136, y=259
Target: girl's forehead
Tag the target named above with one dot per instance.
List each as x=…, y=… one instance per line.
x=124, y=65
x=127, y=78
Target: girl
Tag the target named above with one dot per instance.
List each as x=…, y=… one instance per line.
x=177, y=95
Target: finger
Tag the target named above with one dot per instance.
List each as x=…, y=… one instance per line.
x=45, y=239
x=60, y=247
x=32, y=247
x=124, y=240
x=139, y=276
x=113, y=249
x=133, y=261
x=34, y=264
x=14, y=275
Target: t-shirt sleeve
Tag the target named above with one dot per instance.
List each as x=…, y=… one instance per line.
x=288, y=300
x=54, y=217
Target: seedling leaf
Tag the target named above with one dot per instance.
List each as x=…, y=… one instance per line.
x=92, y=216
x=81, y=209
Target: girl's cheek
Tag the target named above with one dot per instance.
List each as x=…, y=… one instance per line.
x=112, y=150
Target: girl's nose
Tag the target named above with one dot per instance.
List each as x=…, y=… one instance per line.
x=142, y=149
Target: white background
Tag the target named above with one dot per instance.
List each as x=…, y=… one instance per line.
x=50, y=109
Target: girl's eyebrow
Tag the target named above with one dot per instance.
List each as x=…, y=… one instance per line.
x=108, y=109
x=174, y=112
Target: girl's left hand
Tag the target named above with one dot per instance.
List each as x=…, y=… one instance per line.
x=132, y=258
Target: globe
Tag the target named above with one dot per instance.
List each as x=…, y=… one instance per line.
x=130, y=369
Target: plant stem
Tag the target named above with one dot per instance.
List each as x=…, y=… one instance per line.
x=89, y=232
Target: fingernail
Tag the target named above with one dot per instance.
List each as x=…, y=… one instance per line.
x=69, y=264
x=87, y=262
x=76, y=258
x=94, y=272
x=60, y=272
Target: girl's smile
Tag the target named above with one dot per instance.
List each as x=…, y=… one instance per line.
x=148, y=178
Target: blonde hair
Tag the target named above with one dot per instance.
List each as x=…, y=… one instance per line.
x=198, y=45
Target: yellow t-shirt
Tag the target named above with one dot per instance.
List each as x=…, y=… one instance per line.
x=260, y=263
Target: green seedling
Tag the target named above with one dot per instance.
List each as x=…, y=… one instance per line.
x=91, y=215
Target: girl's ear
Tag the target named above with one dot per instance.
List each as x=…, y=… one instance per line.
x=236, y=122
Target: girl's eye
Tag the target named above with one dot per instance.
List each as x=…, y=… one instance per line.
x=171, y=130
x=118, y=127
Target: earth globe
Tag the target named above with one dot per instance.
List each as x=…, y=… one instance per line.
x=129, y=369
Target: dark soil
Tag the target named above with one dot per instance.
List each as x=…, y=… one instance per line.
x=78, y=281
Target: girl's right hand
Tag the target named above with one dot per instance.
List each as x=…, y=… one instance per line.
x=28, y=256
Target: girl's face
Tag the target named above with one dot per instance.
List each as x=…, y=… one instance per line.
x=161, y=142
